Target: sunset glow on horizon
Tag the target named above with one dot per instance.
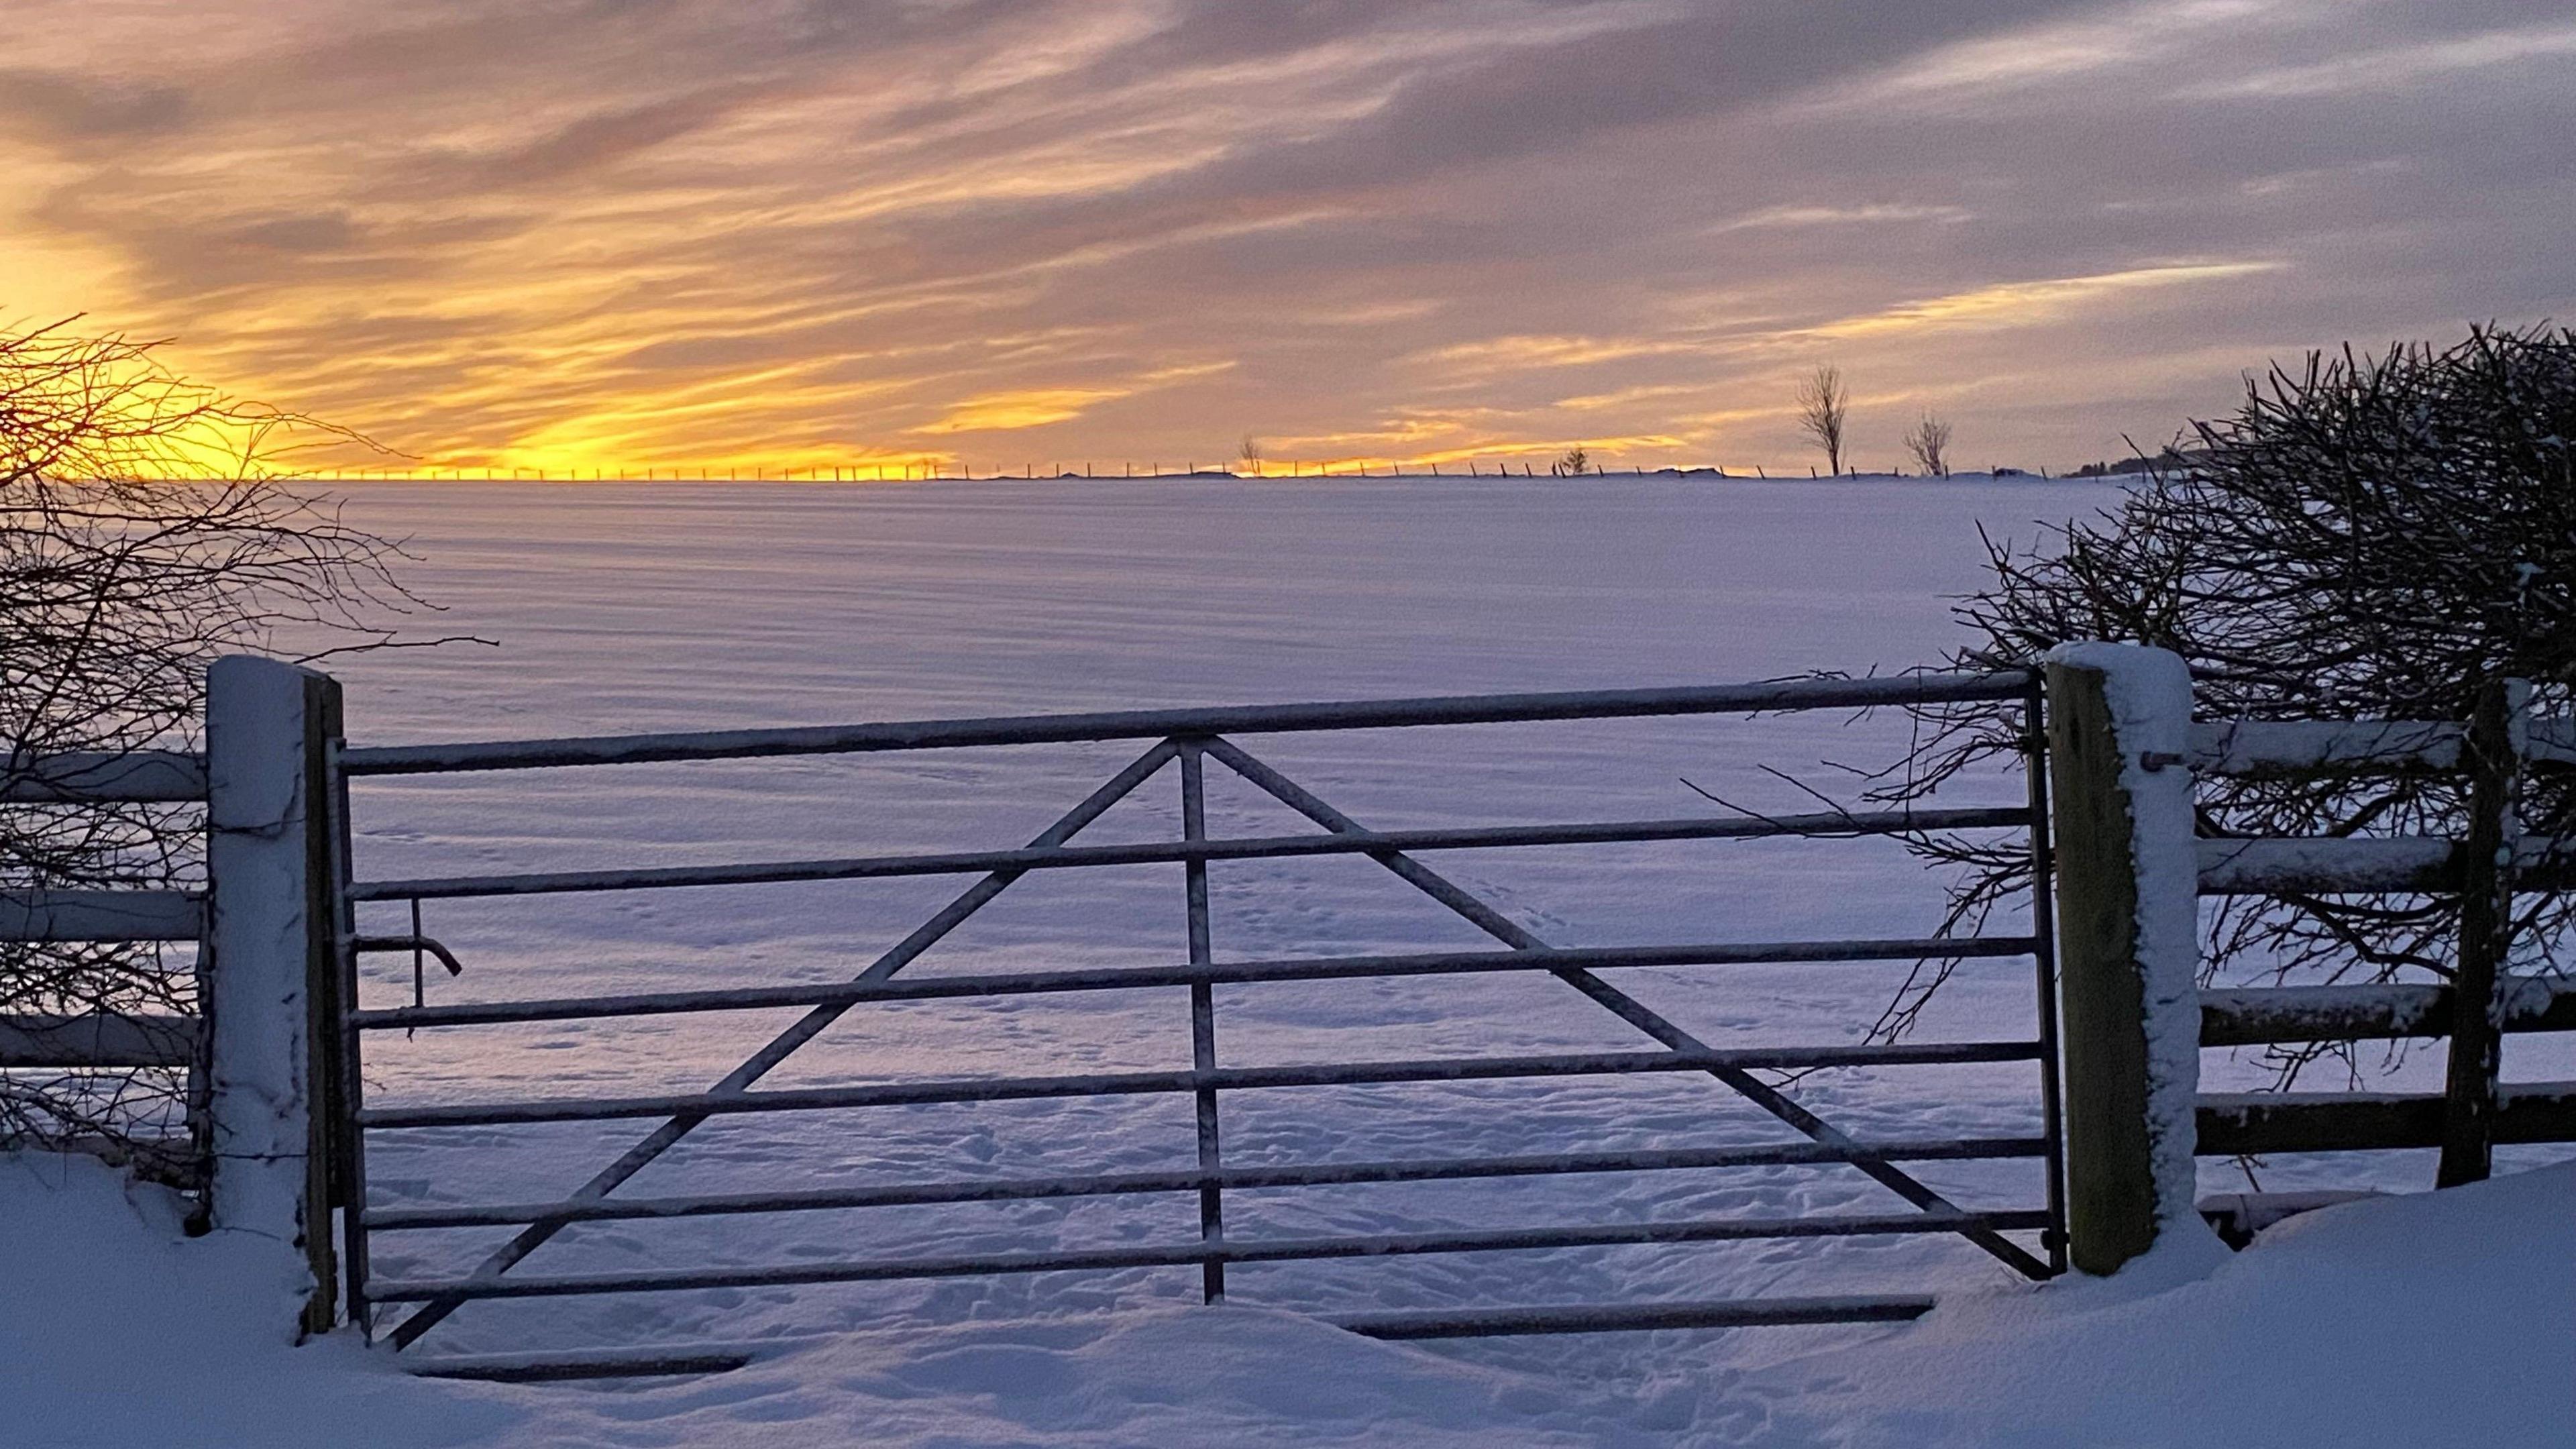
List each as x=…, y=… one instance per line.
x=584, y=238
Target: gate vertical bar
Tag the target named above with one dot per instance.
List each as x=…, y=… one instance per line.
x=350, y=1142
x=325, y=1008
x=2043, y=936
x=1202, y=1014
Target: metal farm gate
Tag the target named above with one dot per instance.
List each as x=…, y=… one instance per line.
x=2029, y=1237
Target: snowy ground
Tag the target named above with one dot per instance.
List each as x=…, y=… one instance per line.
x=635, y=608
x=2432, y=1320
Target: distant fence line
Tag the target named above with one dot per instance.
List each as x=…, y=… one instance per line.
x=944, y=471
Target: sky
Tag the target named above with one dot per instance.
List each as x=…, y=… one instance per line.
x=615, y=234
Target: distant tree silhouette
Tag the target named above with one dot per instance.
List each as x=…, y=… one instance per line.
x=1823, y=406
x=1929, y=442
x=1249, y=454
x=1574, y=464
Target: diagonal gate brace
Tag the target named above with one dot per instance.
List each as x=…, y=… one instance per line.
x=807, y=1027
x=1636, y=1013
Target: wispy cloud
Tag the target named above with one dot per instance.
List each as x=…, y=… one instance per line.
x=2380, y=71
x=1011, y=411
x=692, y=231
x=2025, y=304
x=1037, y=407
x=1811, y=215
x=1526, y=353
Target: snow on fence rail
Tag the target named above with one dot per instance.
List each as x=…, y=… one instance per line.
x=1783, y=694
x=100, y=1040
x=2265, y=1015
x=2259, y=748
x=97, y=1040
x=2122, y=1056
x=2474, y=1112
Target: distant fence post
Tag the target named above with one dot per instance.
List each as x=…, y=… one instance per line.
x=2128, y=944
x=271, y=959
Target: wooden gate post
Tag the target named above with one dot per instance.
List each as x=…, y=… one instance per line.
x=2128, y=945
x=269, y=973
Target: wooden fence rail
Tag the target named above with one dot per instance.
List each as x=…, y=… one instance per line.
x=2262, y=1015
x=2483, y=870
x=2105, y=764
x=98, y=1040
x=163, y=777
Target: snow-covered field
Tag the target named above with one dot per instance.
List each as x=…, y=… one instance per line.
x=630, y=608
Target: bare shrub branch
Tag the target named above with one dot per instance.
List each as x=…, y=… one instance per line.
x=144, y=530
x=2368, y=537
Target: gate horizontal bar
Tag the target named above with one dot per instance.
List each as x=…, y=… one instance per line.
x=1002, y=1089
x=560, y=1366
x=1611, y=1318
x=1180, y=1254
x=713, y=1358
x=100, y=916
x=557, y=1366
x=1222, y=973
x=96, y=777
x=1159, y=852
x=1754, y=698
x=1776, y=1154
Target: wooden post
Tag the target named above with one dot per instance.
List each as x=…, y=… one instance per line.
x=2127, y=930
x=2494, y=761
x=271, y=961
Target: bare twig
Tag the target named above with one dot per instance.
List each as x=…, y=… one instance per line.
x=144, y=529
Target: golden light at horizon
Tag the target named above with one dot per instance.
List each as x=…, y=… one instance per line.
x=883, y=237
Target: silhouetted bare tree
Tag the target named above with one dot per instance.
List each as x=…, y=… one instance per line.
x=1823, y=406
x=1929, y=443
x=1573, y=464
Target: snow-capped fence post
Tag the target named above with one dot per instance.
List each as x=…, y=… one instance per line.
x=270, y=969
x=2128, y=944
